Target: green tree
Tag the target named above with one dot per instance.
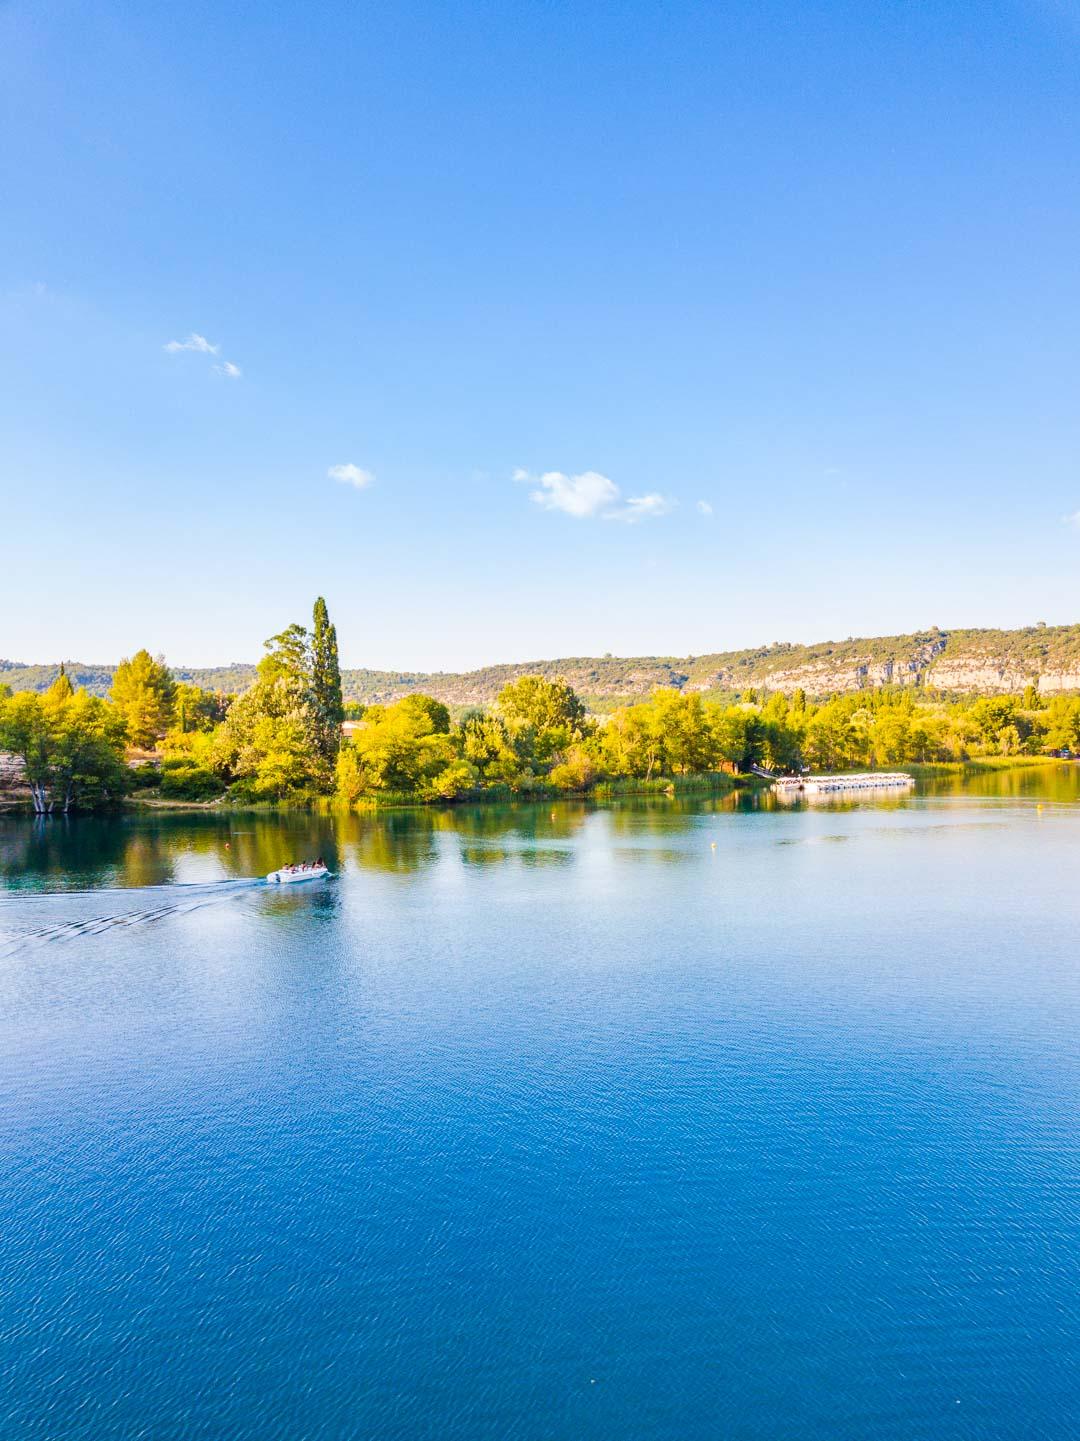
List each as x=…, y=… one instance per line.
x=1008, y=740
x=533, y=701
x=485, y=744
x=144, y=693
x=542, y=716
x=25, y=733
x=832, y=741
x=1063, y=724
x=733, y=737
x=348, y=777
x=190, y=768
x=278, y=762
x=430, y=713
x=61, y=688
x=269, y=744
x=993, y=714
x=288, y=657
x=398, y=749
x=891, y=736
x=577, y=772
x=88, y=749
x=71, y=746
x=926, y=740
x=326, y=682
x=685, y=740
x=631, y=744
x=196, y=709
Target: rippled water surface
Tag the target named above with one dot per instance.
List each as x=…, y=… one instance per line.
x=662, y=1121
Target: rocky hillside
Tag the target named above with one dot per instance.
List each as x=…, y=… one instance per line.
x=961, y=661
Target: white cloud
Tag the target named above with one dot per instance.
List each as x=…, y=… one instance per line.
x=1073, y=519
x=351, y=475
x=229, y=370
x=590, y=495
x=193, y=342
x=704, y=508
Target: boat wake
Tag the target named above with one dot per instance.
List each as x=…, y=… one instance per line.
x=193, y=897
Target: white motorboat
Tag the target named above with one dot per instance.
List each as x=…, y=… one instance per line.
x=290, y=875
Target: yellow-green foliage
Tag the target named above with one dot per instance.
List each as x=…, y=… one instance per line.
x=405, y=747
x=279, y=739
x=540, y=738
x=144, y=693
x=195, y=709
x=190, y=766
x=70, y=743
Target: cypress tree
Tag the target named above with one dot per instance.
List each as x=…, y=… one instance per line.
x=326, y=681
x=61, y=686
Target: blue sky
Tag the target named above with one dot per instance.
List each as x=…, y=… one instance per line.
x=650, y=328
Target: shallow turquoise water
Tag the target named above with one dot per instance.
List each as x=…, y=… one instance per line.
x=658, y=1121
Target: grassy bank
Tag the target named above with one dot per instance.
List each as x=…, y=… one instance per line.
x=156, y=802
x=980, y=764
x=713, y=783
x=710, y=784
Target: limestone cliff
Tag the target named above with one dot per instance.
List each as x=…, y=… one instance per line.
x=959, y=661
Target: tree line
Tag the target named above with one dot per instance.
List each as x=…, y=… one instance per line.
x=282, y=738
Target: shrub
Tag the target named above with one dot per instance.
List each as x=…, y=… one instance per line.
x=184, y=781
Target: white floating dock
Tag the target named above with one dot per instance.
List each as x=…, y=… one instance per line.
x=862, y=781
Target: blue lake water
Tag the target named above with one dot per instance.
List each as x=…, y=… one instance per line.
x=661, y=1121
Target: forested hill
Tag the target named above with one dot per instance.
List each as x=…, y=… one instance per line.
x=961, y=661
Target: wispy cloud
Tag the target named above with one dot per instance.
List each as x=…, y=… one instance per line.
x=590, y=495
x=642, y=507
x=194, y=342
x=351, y=475
x=199, y=345
x=1073, y=519
x=704, y=508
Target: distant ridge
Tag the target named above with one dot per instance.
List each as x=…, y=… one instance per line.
x=960, y=661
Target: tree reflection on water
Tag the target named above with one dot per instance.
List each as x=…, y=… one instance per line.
x=152, y=848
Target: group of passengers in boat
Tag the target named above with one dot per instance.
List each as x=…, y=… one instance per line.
x=297, y=868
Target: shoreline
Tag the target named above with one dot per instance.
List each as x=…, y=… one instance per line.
x=666, y=788
x=663, y=788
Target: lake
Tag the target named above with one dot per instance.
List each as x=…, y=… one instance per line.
x=659, y=1120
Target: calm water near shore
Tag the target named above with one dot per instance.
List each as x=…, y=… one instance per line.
x=668, y=1119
